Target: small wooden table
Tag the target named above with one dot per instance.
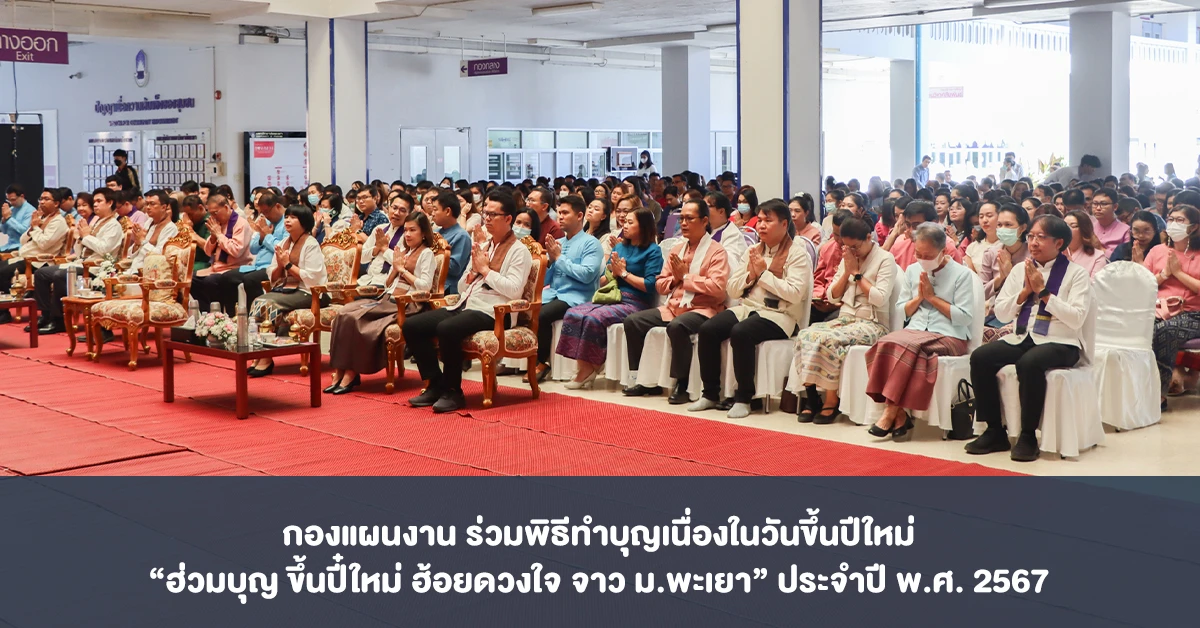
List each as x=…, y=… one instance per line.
x=241, y=359
x=73, y=307
x=31, y=307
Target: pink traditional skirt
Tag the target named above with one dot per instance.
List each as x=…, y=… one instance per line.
x=902, y=367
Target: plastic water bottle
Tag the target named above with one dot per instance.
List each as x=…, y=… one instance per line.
x=81, y=284
x=255, y=342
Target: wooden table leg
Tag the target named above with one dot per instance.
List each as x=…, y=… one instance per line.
x=243, y=400
x=88, y=335
x=70, y=316
x=33, y=328
x=169, y=376
x=314, y=375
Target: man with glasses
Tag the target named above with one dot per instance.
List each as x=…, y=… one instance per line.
x=15, y=214
x=1111, y=231
x=1049, y=297
x=498, y=273
x=904, y=249
x=47, y=234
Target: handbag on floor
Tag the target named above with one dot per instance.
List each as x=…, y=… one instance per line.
x=962, y=413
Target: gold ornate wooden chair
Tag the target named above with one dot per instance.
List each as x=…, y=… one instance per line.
x=343, y=255
x=518, y=342
x=395, y=332
x=165, y=281
x=23, y=284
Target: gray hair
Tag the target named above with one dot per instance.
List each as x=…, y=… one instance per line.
x=932, y=233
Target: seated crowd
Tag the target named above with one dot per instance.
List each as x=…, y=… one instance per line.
x=439, y=265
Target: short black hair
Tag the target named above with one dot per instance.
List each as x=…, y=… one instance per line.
x=190, y=187
x=507, y=202
x=856, y=229
x=15, y=189
x=922, y=209
x=1073, y=198
x=841, y=216
x=721, y=201
x=66, y=193
x=1090, y=161
x=304, y=215
x=120, y=152
x=574, y=202
x=55, y=193
x=967, y=191
x=1056, y=228
x=449, y=200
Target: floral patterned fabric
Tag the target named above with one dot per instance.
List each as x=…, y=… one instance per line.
x=516, y=341
x=339, y=266
x=303, y=319
x=394, y=333
x=157, y=268
x=126, y=312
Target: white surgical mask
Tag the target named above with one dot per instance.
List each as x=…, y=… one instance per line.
x=562, y=195
x=478, y=198
x=1007, y=236
x=1177, y=232
x=830, y=208
x=314, y=199
x=930, y=265
x=744, y=208
x=522, y=232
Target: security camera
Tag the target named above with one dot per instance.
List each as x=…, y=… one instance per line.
x=77, y=75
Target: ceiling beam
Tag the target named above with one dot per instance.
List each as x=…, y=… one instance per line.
x=640, y=40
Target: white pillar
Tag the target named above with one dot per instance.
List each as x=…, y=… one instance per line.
x=1099, y=111
x=903, y=117
x=337, y=101
x=779, y=100
x=686, y=107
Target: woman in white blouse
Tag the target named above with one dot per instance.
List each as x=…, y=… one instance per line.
x=358, y=345
x=298, y=266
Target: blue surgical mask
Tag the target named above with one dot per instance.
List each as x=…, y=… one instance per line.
x=314, y=200
x=830, y=208
x=744, y=208
x=522, y=232
x=1007, y=236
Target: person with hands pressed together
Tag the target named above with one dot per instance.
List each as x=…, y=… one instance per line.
x=939, y=303
x=46, y=235
x=634, y=266
x=367, y=204
x=227, y=247
x=576, y=262
x=1176, y=268
x=1012, y=225
x=696, y=280
x=384, y=243
x=861, y=287
x=498, y=273
x=772, y=284
x=150, y=240
x=1049, y=297
x=15, y=213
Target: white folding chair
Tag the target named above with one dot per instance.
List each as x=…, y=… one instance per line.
x=1126, y=370
x=1071, y=415
x=655, y=369
x=855, y=403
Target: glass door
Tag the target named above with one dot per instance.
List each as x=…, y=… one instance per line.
x=431, y=154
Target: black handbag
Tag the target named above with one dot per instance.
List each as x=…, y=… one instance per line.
x=962, y=413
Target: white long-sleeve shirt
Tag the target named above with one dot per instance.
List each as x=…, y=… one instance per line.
x=138, y=254
x=1068, y=309
x=312, y=265
x=107, y=238
x=796, y=285
x=47, y=239
x=495, y=288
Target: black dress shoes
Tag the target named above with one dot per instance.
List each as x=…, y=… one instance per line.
x=342, y=390
x=642, y=391
x=679, y=395
x=990, y=441
x=1026, y=449
x=256, y=373
x=52, y=327
x=427, y=398
x=450, y=402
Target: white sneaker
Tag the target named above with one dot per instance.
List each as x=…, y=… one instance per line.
x=701, y=405
x=739, y=411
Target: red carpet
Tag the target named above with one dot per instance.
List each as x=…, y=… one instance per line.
x=69, y=416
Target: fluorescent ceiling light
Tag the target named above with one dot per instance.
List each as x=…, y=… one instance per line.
x=722, y=28
x=563, y=9
x=635, y=41
x=554, y=43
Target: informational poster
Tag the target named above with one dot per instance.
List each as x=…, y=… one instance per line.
x=276, y=159
x=495, y=167
x=175, y=156
x=98, y=155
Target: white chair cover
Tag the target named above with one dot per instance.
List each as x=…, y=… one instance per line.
x=1125, y=367
x=1071, y=417
x=951, y=370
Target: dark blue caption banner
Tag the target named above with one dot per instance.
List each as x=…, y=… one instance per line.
x=585, y=552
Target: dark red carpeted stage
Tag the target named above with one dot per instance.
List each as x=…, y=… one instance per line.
x=68, y=416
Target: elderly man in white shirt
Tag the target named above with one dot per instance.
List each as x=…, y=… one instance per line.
x=724, y=230
x=498, y=273
x=1049, y=297
x=93, y=241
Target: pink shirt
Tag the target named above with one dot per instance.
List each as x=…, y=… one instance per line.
x=828, y=260
x=812, y=232
x=882, y=231
x=1092, y=263
x=905, y=251
x=1115, y=235
x=708, y=287
x=237, y=248
x=1156, y=261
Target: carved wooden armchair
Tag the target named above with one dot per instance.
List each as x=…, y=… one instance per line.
x=519, y=341
x=165, y=281
x=394, y=334
x=23, y=284
x=343, y=255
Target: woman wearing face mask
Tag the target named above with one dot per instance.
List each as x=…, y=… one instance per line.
x=833, y=202
x=1146, y=236
x=861, y=286
x=1085, y=248
x=471, y=217
x=747, y=206
x=646, y=167
x=564, y=190
x=1012, y=224
x=528, y=224
x=938, y=301
x=358, y=344
x=1176, y=268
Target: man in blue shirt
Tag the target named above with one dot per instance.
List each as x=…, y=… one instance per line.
x=576, y=263
x=67, y=205
x=921, y=172
x=267, y=232
x=446, y=209
x=366, y=202
x=15, y=214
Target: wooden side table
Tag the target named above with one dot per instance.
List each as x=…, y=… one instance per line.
x=73, y=308
x=30, y=306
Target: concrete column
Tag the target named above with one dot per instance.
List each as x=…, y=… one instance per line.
x=337, y=101
x=779, y=96
x=686, y=107
x=1099, y=111
x=903, y=118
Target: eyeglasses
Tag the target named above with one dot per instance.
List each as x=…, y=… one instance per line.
x=1039, y=237
x=1178, y=220
x=1104, y=203
x=493, y=215
x=683, y=218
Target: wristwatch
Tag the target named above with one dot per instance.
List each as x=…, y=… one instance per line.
x=287, y=267
x=858, y=278
x=1044, y=293
x=624, y=274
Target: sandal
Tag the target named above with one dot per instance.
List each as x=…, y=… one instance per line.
x=808, y=405
x=1176, y=389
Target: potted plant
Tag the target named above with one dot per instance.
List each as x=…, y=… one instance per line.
x=219, y=329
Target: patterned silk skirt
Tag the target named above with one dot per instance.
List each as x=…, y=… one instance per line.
x=584, y=333
x=821, y=349
x=902, y=367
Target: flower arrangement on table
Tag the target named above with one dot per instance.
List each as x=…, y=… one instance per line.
x=105, y=269
x=217, y=327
